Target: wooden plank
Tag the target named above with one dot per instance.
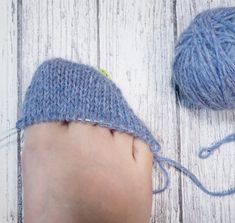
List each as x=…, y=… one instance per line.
x=136, y=45
x=200, y=128
x=8, y=110
x=60, y=28
x=135, y=40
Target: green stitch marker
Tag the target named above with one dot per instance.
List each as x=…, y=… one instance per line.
x=104, y=72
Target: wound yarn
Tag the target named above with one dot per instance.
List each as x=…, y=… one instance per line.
x=204, y=65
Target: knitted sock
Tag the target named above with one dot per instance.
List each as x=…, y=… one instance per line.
x=65, y=91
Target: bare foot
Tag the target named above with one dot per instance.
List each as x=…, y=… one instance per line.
x=75, y=172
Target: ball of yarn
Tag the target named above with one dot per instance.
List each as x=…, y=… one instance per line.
x=204, y=64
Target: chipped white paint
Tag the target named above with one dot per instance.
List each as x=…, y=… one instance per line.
x=8, y=110
x=134, y=41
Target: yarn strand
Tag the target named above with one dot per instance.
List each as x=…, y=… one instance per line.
x=167, y=179
x=160, y=160
x=207, y=151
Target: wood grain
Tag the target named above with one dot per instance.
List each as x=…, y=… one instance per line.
x=8, y=110
x=200, y=128
x=134, y=41
x=59, y=28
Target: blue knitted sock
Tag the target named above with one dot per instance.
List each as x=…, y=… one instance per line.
x=65, y=91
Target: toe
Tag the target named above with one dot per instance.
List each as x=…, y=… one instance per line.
x=142, y=153
x=52, y=126
x=78, y=125
x=124, y=142
x=81, y=130
x=43, y=132
x=88, y=130
x=121, y=137
x=103, y=131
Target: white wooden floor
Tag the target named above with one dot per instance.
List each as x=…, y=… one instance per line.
x=134, y=41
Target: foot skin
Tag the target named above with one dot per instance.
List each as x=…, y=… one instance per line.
x=75, y=172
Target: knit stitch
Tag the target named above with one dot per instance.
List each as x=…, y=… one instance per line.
x=62, y=90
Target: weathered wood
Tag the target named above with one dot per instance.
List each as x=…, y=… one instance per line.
x=8, y=110
x=200, y=128
x=136, y=45
x=60, y=28
x=134, y=41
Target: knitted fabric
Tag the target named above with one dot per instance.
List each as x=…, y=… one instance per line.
x=65, y=91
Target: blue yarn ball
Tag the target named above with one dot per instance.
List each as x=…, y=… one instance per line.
x=204, y=64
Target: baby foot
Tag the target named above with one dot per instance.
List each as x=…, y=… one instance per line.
x=76, y=172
